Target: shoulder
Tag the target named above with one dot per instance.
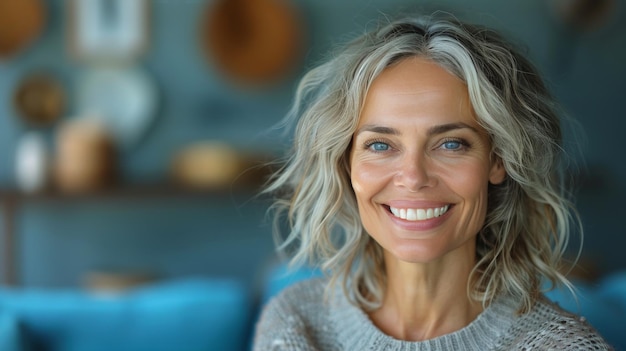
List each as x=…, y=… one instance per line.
x=551, y=328
x=298, y=298
x=289, y=320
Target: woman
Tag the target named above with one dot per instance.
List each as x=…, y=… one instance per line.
x=424, y=179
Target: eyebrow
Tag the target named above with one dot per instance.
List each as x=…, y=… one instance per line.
x=434, y=130
x=439, y=129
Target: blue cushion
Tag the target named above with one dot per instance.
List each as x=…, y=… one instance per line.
x=183, y=315
x=11, y=337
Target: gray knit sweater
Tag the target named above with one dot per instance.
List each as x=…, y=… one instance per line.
x=300, y=319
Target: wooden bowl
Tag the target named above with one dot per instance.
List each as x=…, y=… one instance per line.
x=252, y=41
x=21, y=21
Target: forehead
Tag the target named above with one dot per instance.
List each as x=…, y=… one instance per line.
x=417, y=87
x=414, y=74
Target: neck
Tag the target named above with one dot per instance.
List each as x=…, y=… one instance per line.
x=424, y=301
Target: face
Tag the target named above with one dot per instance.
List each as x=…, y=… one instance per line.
x=420, y=164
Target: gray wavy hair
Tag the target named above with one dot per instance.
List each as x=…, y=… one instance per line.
x=529, y=215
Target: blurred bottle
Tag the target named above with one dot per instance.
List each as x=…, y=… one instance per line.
x=32, y=162
x=85, y=156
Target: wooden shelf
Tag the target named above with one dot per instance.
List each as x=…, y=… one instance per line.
x=129, y=191
x=12, y=199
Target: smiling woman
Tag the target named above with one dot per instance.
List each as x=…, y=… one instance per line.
x=419, y=149
x=425, y=182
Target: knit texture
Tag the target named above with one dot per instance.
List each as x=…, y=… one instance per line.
x=299, y=318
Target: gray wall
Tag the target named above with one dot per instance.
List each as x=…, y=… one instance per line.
x=227, y=235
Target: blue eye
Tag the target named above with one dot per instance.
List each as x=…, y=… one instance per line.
x=378, y=146
x=452, y=145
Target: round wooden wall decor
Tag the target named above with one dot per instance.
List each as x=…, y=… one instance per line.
x=252, y=41
x=585, y=15
x=40, y=99
x=21, y=21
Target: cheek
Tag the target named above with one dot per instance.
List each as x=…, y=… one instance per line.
x=366, y=183
x=471, y=184
x=468, y=179
x=367, y=179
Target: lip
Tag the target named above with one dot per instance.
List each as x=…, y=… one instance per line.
x=423, y=225
x=416, y=204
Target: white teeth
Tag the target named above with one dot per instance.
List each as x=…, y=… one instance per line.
x=395, y=211
x=411, y=215
x=418, y=214
x=421, y=215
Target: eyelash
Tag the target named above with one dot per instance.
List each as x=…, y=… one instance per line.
x=463, y=144
x=368, y=145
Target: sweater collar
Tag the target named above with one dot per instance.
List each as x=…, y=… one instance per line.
x=357, y=332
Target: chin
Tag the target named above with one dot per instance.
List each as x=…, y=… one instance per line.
x=415, y=254
x=428, y=251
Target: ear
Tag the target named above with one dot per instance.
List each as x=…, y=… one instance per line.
x=497, y=174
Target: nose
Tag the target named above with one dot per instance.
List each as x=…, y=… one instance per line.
x=414, y=172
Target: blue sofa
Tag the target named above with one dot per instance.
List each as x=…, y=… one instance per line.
x=186, y=315
x=210, y=314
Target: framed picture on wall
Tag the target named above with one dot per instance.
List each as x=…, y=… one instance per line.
x=107, y=30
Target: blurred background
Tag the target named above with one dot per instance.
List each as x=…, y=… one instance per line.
x=139, y=97
x=126, y=126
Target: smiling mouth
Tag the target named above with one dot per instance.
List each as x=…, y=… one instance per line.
x=418, y=214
